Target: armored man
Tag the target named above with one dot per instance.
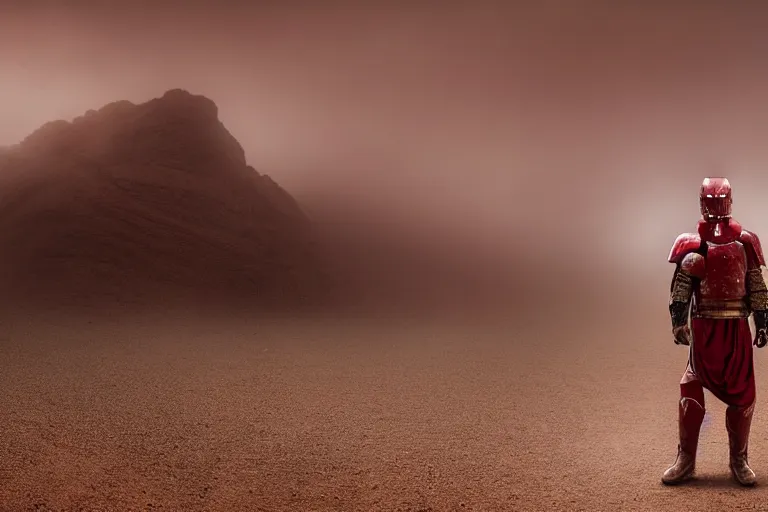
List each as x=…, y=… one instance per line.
x=718, y=280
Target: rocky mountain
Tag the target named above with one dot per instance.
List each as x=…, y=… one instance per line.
x=155, y=202
x=137, y=202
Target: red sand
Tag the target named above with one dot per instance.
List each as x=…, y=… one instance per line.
x=221, y=415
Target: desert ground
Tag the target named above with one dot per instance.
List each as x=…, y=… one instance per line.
x=191, y=413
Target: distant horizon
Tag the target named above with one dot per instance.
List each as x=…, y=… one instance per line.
x=516, y=118
x=465, y=302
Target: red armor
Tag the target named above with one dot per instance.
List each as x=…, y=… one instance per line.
x=715, y=199
x=695, y=264
x=726, y=272
x=718, y=276
x=684, y=244
x=727, y=252
x=755, y=258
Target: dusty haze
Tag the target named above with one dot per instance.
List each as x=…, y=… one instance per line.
x=544, y=126
x=574, y=132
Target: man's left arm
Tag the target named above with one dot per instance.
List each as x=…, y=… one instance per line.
x=757, y=291
x=758, y=303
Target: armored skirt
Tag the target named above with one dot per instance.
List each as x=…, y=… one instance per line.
x=721, y=359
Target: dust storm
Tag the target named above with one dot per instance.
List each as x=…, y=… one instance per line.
x=494, y=189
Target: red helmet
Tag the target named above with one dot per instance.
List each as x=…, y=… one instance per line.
x=715, y=199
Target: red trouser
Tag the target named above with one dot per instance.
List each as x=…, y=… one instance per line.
x=720, y=361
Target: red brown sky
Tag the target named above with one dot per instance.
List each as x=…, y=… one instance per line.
x=520, y=119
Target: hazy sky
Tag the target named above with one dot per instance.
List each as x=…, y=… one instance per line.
x=528, y=121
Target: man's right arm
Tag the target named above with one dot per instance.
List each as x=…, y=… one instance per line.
x=689, y=269
x=687, y=274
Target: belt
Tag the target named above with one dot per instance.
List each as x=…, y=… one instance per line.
x=720, y=308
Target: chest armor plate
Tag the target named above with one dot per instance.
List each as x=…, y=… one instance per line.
x=726, y=272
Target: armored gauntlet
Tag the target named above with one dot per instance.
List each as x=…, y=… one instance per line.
x=679, y=306
x=758, y=303
x=680, y=299
x=690, y=271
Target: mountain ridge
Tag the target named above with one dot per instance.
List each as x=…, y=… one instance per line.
x=131, y=198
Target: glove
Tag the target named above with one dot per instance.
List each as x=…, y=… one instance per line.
x=679, y=314
x=761, y=338
x=761, y=328
x=682, y=335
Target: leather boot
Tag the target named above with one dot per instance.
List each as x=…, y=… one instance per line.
x=738, y=421
x=691, y=414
